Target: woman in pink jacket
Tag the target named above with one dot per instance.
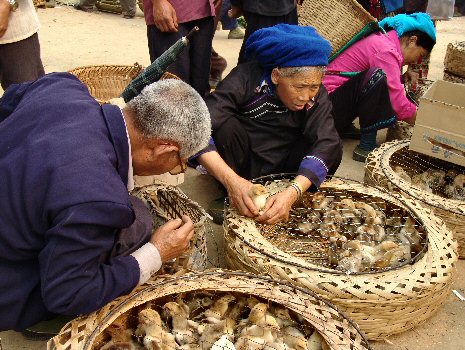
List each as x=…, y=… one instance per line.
x=375, y=92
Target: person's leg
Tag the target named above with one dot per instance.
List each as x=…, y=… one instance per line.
x=218, y=65
x=199, y=49
x=20, y=61
x=129, y=8
x=256, y=22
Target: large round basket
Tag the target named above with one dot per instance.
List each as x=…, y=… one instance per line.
x=107, y=81
x=338, y=21
x=88, y=332
x=168, y=202
x=379, y=171
x=381, y=302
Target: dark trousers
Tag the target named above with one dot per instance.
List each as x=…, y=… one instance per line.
x=232, y=143
x=365, y=96
x=20, y=61
x=256, y=22
x=130, y=239
x=193, y=64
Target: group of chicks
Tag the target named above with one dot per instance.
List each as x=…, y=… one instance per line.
x=360, y=236
x=206, y=321
x=449, y=184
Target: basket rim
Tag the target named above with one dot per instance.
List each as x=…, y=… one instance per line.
x=302, y=263
x=92, y=66
x=219, y=272
x=427, y=198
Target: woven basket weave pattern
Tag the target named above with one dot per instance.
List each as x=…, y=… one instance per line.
x=381, y=303
x=168, y=202
x=379, y=172
x=106, y=81
x=336, y=20
x=338, y=331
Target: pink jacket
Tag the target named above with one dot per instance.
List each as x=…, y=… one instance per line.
x=377, y=50
x=186, y=10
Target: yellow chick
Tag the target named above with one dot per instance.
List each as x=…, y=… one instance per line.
x=402, y=174
x=150, y=327
x=219, y=308
x=294, y=338
x=179, y=315
x=214, y=331
x=259, y=194
x=317, y=342
x=121, y=337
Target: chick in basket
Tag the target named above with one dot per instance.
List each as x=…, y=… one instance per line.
x=73, y=238
x=272, y=115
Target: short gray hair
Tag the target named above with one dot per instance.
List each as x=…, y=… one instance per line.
x=172, y=110
x=291, y=71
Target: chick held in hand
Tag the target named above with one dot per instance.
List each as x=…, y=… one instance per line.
x=259, y=194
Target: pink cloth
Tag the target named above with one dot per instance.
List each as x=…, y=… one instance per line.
x=186, y=10
x=376, y=50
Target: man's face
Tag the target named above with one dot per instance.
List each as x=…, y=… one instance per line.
x=297, y=90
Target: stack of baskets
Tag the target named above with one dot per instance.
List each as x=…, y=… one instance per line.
x=196, y=291
x=454, y=63
x=382, y=302
x=168, y=202
x=107, y=81
x=114, y=6
x=340, y=21
x=379, y=171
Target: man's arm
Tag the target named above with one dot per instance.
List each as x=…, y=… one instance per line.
x=164, y=16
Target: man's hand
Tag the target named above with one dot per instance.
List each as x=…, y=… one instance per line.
x=173, y=238
x=4, y=16
x=277, y=207
x=235, y=12
x=164, y=16
x=239, y=196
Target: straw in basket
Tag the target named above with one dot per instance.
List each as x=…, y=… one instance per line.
x=383, y=168
x=382, y=302
x=202, y=293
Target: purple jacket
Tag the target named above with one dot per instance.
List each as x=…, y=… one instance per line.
x=63, y=197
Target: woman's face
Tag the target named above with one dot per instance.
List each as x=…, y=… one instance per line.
x=297, y=90
x=411, y=51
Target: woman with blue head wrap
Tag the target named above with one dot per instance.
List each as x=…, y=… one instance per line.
x=272, y=115
x=376, y=95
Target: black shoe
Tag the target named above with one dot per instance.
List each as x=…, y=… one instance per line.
x=84, y=9
x=360, y=155
x=351, y=132
x=45, y=330
x=216, y=210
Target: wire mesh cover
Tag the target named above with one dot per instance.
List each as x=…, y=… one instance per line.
x=168, y=202
x=121, y=319
x=336, y=20
x=106, y=81
x=433, y=182
x=381, y=302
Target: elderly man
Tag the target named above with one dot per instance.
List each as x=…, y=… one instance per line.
x=66, y=164
x=272, y=115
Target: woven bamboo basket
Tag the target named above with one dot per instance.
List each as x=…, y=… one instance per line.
x=168, y=202
x=339, y=21
x=88, y=332
x=107, y=81
x=454, y=60
x=400, y=130
x=379, y=171
x=453, y=78
x=383, y=302
x=114, y=6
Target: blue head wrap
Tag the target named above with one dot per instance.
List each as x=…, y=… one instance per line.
x=405, y=23
x=285, y=45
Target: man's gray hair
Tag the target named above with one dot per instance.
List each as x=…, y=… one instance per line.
x=291, y=71
x=172, y=110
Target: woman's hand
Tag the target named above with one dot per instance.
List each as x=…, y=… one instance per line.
x=410, y=78
x=239, y=196
x=164, y=16
x=277, y=207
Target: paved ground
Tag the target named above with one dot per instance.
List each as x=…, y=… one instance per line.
x=70, y=38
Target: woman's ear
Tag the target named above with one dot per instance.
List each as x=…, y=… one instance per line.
x=413, y=39
x=275, y=76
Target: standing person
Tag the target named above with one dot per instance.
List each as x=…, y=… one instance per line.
x=375, y=93
x=128, y=7
x=262, y=14
x=19, y=43
x=230, y=23
x=72, y=238
x=168, y=21
x=272, y=115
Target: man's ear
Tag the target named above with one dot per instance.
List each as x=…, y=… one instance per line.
x=275, y=76
x=157, y=149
